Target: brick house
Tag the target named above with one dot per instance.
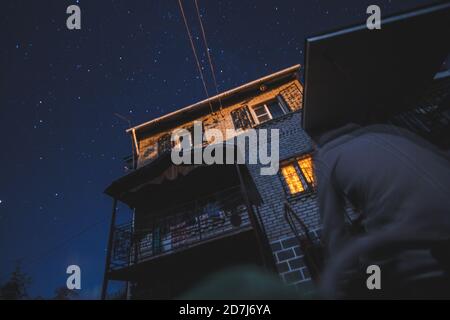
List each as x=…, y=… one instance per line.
x=169, y=227
x=188, y=221
x=182, y=215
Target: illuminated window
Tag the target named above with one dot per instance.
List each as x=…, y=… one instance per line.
x=292, y=179
x=299, y=175
x=306, y=166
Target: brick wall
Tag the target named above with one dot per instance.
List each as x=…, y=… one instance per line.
x=290, y=261
x=293, y=142
x=288, y=256
x=291, y=92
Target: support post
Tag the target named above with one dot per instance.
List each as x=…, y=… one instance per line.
x=109, y=249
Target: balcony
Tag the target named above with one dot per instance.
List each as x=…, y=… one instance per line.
x=182, y=227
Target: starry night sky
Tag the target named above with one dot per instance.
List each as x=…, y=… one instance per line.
x=59, y=90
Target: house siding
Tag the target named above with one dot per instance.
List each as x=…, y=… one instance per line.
x=222, y=120
x=293, y=142
x=288, y=257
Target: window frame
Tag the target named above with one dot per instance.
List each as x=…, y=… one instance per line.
x=266, y=108
x=307, y=186
x=169, y=144
x=247, y=110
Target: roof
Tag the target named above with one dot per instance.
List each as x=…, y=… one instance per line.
x=280, y=75
x=354, y=73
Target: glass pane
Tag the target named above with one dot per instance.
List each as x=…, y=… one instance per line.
x=306, y=166
x=260, y=110
x=275, y=109
x=292, y=179
x=242, y=118
x=261, y=113
x=263, y=118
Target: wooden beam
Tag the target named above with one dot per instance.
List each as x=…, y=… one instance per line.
x=133, y=132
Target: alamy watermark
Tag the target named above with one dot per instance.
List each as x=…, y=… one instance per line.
x=374, y=20
x=74, y=280
x=73, y=21
x=373, y=282
x=254, y=144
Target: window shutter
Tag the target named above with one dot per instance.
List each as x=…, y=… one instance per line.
x=164, y=143
x=242, y=118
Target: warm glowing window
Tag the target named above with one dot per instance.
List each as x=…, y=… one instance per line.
x=292, y=179
x=299, y=175
x=306, y=166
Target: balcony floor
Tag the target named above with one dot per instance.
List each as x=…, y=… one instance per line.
x=238, y=248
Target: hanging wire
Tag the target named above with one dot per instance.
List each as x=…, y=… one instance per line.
x=207, y=52
x=195, y=53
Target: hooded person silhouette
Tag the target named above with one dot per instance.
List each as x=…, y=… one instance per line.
x=400, y=187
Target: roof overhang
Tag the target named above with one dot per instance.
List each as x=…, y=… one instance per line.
x=356, y=73
x=150, y=180
x=203, y=106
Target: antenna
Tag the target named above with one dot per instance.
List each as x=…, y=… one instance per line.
x=132, y=138
x=123, y=118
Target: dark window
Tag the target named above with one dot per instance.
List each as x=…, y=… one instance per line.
x=276, y=109
x=283, y=104
x=270, y=110
x=262, y=113
x=241, y=118
x=164, y=143
x=191, y=130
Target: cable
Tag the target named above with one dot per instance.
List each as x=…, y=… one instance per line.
x=207, y=52
x=195, y=53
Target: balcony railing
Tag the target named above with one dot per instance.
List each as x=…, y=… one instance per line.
x=179, y=228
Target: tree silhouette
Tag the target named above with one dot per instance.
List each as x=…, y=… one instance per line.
x=63, y=293
x=16, y=286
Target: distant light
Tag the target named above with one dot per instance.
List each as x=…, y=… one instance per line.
x=1, y=201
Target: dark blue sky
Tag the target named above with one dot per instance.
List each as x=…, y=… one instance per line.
x=59, y=90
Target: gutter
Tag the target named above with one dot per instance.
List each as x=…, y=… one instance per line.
x=217, y=97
